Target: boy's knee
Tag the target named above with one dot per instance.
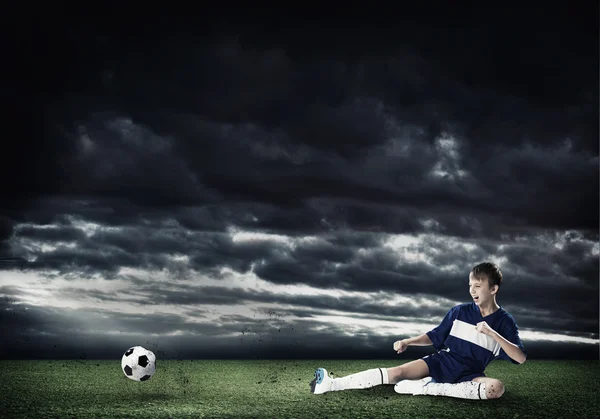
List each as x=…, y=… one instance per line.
x=414, y=370
x=494, y=389
x=395, y=374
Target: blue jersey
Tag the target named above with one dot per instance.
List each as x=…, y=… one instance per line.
x=457, y=335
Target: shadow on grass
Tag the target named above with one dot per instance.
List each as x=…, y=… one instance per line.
x=534, y=405
x=134, y=397
x=153, y=396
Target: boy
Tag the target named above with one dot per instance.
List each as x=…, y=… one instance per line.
x=469, y=337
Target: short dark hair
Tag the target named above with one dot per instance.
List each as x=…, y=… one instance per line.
x=489, y=271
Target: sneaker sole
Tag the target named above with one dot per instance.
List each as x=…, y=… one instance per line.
x=319, y=375
x=318, y=379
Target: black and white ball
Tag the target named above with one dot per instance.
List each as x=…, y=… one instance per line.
x=138, y=363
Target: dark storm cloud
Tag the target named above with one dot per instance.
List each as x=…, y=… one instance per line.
x=91, y=321
x=256, y=162
x=537, y=274
x=175, y=136
x=212, y=114
x=56, y=335
x=556, y=321
x=147, y=293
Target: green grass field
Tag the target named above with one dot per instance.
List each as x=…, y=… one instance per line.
x=280, y=389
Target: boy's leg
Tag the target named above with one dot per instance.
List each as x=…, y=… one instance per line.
x=413, y=370
x=322, y=383
x=493, y=388
x=479, y=388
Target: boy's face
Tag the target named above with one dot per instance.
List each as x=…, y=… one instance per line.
x=480, y=291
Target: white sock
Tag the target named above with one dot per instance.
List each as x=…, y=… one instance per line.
x=360, y=380
x=465, y=390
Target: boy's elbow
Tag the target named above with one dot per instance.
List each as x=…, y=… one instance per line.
x=522, y=360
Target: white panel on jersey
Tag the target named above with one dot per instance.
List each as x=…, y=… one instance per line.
x=468, y=332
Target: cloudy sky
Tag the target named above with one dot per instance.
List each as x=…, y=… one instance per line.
x=280, y=185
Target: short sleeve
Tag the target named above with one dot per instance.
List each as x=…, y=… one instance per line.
x=510, y=332
x=439, y=334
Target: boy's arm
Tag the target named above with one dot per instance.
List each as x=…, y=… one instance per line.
x=510, y=348
x=422, y=340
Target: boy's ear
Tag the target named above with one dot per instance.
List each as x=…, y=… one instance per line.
x=495, y=289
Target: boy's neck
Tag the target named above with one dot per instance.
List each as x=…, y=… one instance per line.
x=489, y=308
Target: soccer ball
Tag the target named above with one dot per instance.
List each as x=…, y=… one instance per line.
x=138, y=363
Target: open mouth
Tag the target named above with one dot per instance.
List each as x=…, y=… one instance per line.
x=475, y=298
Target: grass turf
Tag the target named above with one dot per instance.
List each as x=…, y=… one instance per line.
x=266, y=389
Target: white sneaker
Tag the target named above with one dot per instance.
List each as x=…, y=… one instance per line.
x=322, y=382
x=414, y=387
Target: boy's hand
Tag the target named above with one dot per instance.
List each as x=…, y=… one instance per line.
x=483, y=327
x=400, y=346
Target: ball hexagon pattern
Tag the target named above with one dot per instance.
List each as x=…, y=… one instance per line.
x=138, y=363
